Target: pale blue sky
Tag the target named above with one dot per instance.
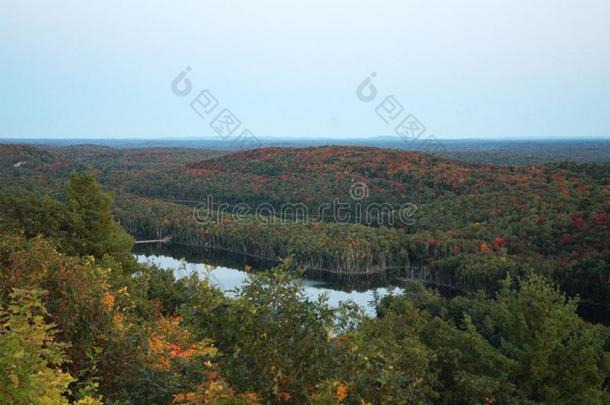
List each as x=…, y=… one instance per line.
x=290, y=68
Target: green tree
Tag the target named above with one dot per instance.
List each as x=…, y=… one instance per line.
x=30, y=358
x=94, y=232
x=560, y=357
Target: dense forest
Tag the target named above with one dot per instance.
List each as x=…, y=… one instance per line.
x=498, y=151
x=82, y=322
x=305, y=202
x=470, y=224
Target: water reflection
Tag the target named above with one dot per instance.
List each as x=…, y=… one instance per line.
x=228, y=279
x=229, y=273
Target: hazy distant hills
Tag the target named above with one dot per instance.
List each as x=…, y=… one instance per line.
x=504, y=152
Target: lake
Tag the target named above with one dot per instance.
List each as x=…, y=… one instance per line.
x=228, y=272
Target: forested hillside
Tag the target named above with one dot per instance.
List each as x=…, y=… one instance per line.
x=469, y=224
x=81, y=322
x=305, y=202
x=473, y=222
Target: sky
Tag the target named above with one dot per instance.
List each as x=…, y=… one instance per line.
x=290, y=69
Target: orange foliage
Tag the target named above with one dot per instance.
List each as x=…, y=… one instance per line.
x=107, y=301
x=342, y=390
x=283, y=396
x=499, y=243
x=484, y=247
x=170, y=342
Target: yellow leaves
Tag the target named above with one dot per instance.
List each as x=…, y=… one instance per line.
x=14, y=379
x=158, y=350
x=89, y=401
x=418, y=381
x=170, y=342
x=110, y=305
x=170, y=326
x=107, y=301
x=251, y=398
x=55, y=383
x=118, y=323
x=216, y=391
x=330, y=392
x=31, y=356
x=189, y=398
x=205, y=348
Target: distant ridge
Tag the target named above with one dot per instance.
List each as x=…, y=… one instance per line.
x=502, y=152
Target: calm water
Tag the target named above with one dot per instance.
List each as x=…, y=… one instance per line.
x=229, y=278
x=227, y=272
